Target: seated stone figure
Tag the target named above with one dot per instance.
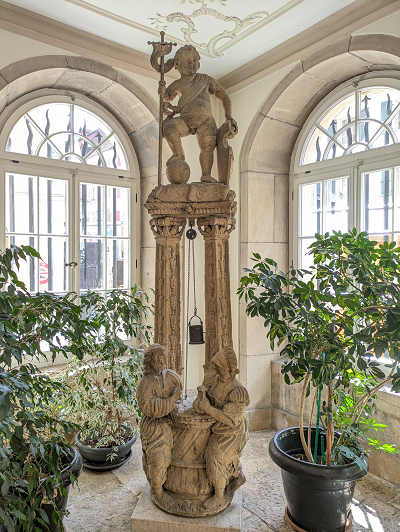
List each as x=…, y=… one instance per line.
x=157, y=393
x=194, y=107
x=226, y=401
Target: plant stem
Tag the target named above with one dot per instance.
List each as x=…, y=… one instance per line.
x=317, y=425
x=311, y=415
x=365, y=398
x=301, y=416
x=329, y=431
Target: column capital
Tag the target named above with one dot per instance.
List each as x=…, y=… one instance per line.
x=216, y=226
x=168, y=227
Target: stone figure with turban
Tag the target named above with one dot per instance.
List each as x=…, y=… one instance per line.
x=226, y=401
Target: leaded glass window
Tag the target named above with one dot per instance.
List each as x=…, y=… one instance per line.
x=67, y=132
x=366, y=119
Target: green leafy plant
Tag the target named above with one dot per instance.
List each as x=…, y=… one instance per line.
x=333, y=322
x=102, y=396
x=33, y=448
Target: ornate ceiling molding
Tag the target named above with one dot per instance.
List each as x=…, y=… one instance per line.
x=209, y=49
x=242, y=29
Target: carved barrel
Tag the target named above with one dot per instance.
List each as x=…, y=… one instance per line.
x=186, y=477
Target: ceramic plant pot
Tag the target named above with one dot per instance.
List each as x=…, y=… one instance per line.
x=98, y=459
x=318, y=496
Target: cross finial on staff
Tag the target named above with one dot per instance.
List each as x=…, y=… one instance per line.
x=160, y=49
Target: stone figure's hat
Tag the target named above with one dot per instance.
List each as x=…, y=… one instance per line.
x=226, y=359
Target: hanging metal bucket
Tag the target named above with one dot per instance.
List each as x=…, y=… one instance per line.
x=196, y=333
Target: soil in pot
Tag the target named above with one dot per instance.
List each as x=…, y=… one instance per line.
x=105, y=458
x=318, y=496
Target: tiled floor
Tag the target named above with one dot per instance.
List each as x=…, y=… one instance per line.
x=105, y=502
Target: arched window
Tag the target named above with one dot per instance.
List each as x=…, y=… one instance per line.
x=365, y=119
x=65, y=167
x=68, y=132
x=346, y=165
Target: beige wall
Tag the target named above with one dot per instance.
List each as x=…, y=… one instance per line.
x=389, y=25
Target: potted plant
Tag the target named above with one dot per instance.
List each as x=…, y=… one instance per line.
x=333, y=321
x=102, y=396
x=37, y=464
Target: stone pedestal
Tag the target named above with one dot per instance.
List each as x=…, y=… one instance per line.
x=147, y=517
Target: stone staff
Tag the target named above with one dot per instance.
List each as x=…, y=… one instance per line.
x=160, y=49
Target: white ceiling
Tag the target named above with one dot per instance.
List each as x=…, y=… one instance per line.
x=227, y=33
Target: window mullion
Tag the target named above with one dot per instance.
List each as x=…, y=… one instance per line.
x=356, y=118
x=323, y=206
x=394, y=201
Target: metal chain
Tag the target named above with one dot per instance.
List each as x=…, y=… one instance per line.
x=194, y=282
x=187, y=321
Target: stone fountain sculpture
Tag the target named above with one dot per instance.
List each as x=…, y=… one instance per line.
x=192, y=448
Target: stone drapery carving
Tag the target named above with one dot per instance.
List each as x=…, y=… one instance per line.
x=168, y=232
x=157, y=393
x=218, y=324
x=191, y=452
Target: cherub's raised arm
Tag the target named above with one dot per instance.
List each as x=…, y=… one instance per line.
x=168, y=93
x=220, y=94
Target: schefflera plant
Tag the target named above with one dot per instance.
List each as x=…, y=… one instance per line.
x=333, y=322
x=33, y=447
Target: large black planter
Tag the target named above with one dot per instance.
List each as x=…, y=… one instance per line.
x=98, y=459
x=318, y=497
x=75, y=467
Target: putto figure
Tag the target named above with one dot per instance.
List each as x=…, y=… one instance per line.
x=158, y=391
x=194, y=106
x=226, y=401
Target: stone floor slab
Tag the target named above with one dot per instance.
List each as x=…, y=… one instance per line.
x=147, y=517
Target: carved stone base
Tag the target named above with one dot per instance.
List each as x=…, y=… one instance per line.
x=147, y=517
x=192, y=200
x=172, y=503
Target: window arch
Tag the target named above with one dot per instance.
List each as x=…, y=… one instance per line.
x=345, y=169
x=365, y=119
x=67, y=169
x=68, y=132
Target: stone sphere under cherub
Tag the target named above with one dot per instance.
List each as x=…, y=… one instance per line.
x=191, y=452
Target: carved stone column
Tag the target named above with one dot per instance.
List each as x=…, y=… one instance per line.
x=168, y=233
x=216, y=231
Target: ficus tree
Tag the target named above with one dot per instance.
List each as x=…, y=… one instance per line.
x=333, y=322
x=33, y=447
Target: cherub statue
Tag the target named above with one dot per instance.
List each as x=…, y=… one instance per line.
x=194, y=107
x=157, y=393
x=225, y=401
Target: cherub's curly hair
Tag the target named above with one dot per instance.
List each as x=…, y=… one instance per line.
x=148, y=356
x=188, y=48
